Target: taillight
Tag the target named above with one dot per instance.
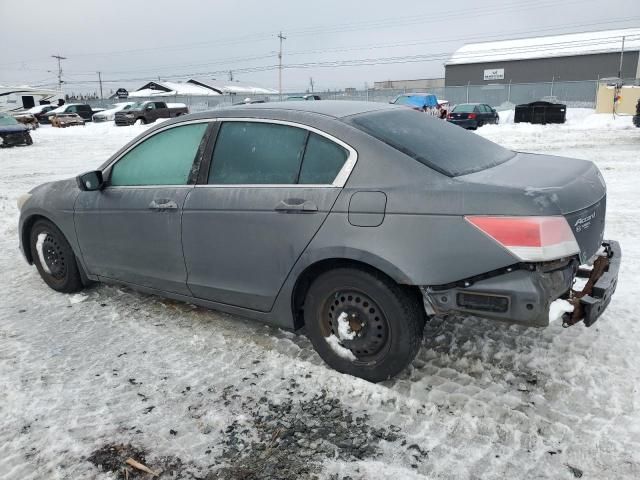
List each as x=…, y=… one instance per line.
x=471, y=116
x=449, y=115
x=531, y=239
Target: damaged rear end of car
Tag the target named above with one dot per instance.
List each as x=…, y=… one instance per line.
x=553, y=226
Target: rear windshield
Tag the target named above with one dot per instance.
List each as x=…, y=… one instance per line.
x=464, y=108
x=447, y=148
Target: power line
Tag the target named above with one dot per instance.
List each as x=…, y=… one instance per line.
x=556, y=46
x=236, y=60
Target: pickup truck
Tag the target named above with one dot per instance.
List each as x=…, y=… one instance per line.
x=149, y=112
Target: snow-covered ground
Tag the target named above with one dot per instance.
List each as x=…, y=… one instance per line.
x=89, y=377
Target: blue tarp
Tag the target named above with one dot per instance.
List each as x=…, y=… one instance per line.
x=422, y=101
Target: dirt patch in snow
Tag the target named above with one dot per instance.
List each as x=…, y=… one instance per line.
x=291, y=440
x=113, y=458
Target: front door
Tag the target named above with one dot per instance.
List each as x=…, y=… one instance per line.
x=270, y=187
x=130, y=231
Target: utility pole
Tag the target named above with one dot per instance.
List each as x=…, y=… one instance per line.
x=100, y=81
x=280, y=65
x=621, y=56
x=58, y=57
x=311, y=83
x=231, y=75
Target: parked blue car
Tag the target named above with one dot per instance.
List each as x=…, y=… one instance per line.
x=13, y=133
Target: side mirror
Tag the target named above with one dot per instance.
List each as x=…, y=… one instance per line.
x=90, y=181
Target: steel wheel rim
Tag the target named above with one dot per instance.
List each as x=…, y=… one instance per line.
x=365, y=319
x=54, y=257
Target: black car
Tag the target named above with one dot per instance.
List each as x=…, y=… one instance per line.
x=636, y=117
x=472, y=115
x=40, y=112
x=13, y=133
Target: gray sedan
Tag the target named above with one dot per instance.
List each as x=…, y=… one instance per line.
x=358, y=221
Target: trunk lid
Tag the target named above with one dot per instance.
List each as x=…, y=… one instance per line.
x=549, y=185
x=458, y=115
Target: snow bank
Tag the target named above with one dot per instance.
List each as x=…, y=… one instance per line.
x=481, y=400
x=577, y=118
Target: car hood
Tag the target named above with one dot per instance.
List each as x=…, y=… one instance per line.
x=13, y=128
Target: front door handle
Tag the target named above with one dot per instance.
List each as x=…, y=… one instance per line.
x=296, y=205
x=163, y=204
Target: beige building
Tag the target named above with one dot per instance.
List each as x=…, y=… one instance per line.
x=626, y=104
x=417, y=84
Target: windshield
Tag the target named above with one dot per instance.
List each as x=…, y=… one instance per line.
x=442, y=146
x=6, y=120
x=464, y=108
x=136, y=106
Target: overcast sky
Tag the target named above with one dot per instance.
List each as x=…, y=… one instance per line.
x=131, y=42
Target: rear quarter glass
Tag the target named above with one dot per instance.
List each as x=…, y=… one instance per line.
x=444, y=147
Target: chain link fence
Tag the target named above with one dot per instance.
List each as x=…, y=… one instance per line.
x=499, y=96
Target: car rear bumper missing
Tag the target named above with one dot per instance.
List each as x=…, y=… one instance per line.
x=602, y=280
x=523, y=293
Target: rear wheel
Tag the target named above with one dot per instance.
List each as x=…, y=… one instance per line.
x=363, y=323
x=54, y=258
x=28, y=140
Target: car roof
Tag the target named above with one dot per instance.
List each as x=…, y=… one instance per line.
x=330, y=108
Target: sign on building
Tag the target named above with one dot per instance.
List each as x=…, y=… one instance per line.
x=494, y=74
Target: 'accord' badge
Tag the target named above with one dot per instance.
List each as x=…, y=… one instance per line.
x=584, y=222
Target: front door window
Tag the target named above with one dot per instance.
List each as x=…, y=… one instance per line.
x=167, y=158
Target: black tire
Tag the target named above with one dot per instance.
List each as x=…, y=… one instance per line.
x=60, y=269
x=480, y=124
x=143, y=120
x=28, y=140
x=388, y=319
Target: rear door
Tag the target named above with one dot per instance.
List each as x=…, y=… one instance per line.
x=84, y=111
x=269, y=187
x=161, y=110
x=130, y=230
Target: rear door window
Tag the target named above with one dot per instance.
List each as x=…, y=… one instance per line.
x=257, y=153
x=322, y=161
x=165, y=158
x=440, y=145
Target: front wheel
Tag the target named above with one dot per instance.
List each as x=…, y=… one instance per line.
x=28, y=140
x=54, y=258
x=363, y=323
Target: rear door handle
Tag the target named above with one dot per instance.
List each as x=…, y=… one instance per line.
x=296, y=205
x=163, y=204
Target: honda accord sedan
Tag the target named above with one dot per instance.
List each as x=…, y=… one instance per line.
x=358, y=221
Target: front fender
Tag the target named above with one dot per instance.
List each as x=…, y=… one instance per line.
x=55, y=202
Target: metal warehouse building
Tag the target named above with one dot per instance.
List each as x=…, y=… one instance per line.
x=577, y=56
